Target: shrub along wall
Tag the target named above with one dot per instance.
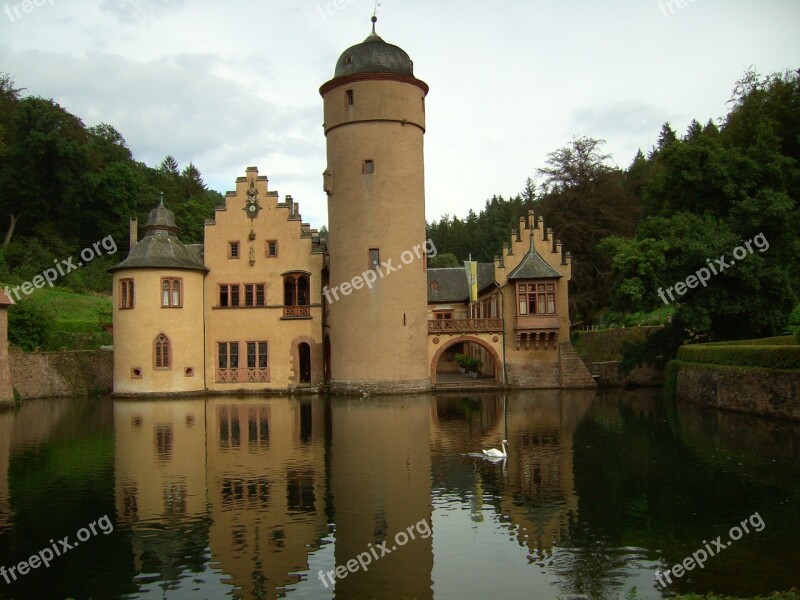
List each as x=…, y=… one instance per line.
x=767, y=357
x=782, y=340
x=754, y=376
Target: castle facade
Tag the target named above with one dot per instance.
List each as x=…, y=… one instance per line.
x=265, y=304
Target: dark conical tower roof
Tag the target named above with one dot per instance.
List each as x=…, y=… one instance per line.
x=160, y=248
x=374, y=55
x=161, y=218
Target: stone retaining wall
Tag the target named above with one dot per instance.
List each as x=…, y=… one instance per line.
x=602, y=352
x=773, y=393
x=359, y=388
x=58, y=374
x=608, y=375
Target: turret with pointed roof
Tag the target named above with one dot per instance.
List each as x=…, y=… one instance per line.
x=160, y=248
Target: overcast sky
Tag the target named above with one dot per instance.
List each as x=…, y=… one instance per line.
x=230, y=84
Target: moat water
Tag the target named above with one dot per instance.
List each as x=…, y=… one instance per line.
x=263, y=498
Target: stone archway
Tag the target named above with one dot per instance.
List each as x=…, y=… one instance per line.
x=498, y=365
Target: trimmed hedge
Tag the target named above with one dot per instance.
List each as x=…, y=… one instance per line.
x=768, y=357
x=782, y=340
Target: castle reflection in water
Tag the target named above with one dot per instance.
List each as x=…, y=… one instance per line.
x=253, y=497
x=268, y=476
x=253, y=487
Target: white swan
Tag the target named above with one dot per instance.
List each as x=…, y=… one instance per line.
x=495, y=453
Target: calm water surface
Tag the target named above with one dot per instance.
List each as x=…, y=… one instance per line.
x=253, y=498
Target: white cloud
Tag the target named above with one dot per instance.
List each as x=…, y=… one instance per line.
x=234, y=84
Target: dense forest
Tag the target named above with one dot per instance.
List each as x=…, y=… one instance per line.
x=692, y=198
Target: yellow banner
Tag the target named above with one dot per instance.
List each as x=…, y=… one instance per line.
x=472, y=279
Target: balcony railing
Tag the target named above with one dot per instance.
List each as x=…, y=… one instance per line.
x=243, y=375
x=464, y=325
x=296, y=311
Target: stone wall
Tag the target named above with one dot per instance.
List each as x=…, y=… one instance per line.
x=574, y=374
x=608, y=374
x=6, y=390
x=773, y=393
x=58, y=374
x=538, y=373
x=359, y=388
x=602, y=352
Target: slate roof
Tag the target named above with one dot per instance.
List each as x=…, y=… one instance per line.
x=533, y=266
x=453, y=285
x=374, y=55
x=160, y=248
x=197, y=249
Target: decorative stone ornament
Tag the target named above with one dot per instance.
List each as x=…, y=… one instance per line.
x=251, y=207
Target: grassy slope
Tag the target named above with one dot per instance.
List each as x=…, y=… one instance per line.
x=79, y=317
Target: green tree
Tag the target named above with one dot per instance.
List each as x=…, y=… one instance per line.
x=30, y=325
x=43, y=165
x=706, y=194
x=445, y=260
x=585, y=200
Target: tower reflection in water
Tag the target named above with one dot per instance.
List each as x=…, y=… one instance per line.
x=241, y=494
x=238, y=484
x=235, y=493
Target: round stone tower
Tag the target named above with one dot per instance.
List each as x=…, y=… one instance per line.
x=158, y=313
x=377, y=296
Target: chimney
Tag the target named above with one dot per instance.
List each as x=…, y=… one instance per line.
x=134, y=234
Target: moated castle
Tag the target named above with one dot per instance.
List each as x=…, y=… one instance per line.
x=247, y=311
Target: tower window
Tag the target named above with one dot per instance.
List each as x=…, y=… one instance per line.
x=374, y=258
x=233, y=249
x=349, y=97
x=348, y=60
x=272, y=248
x=126, y=293
x=162, y=355
x=171, y=293
x=368, y=167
